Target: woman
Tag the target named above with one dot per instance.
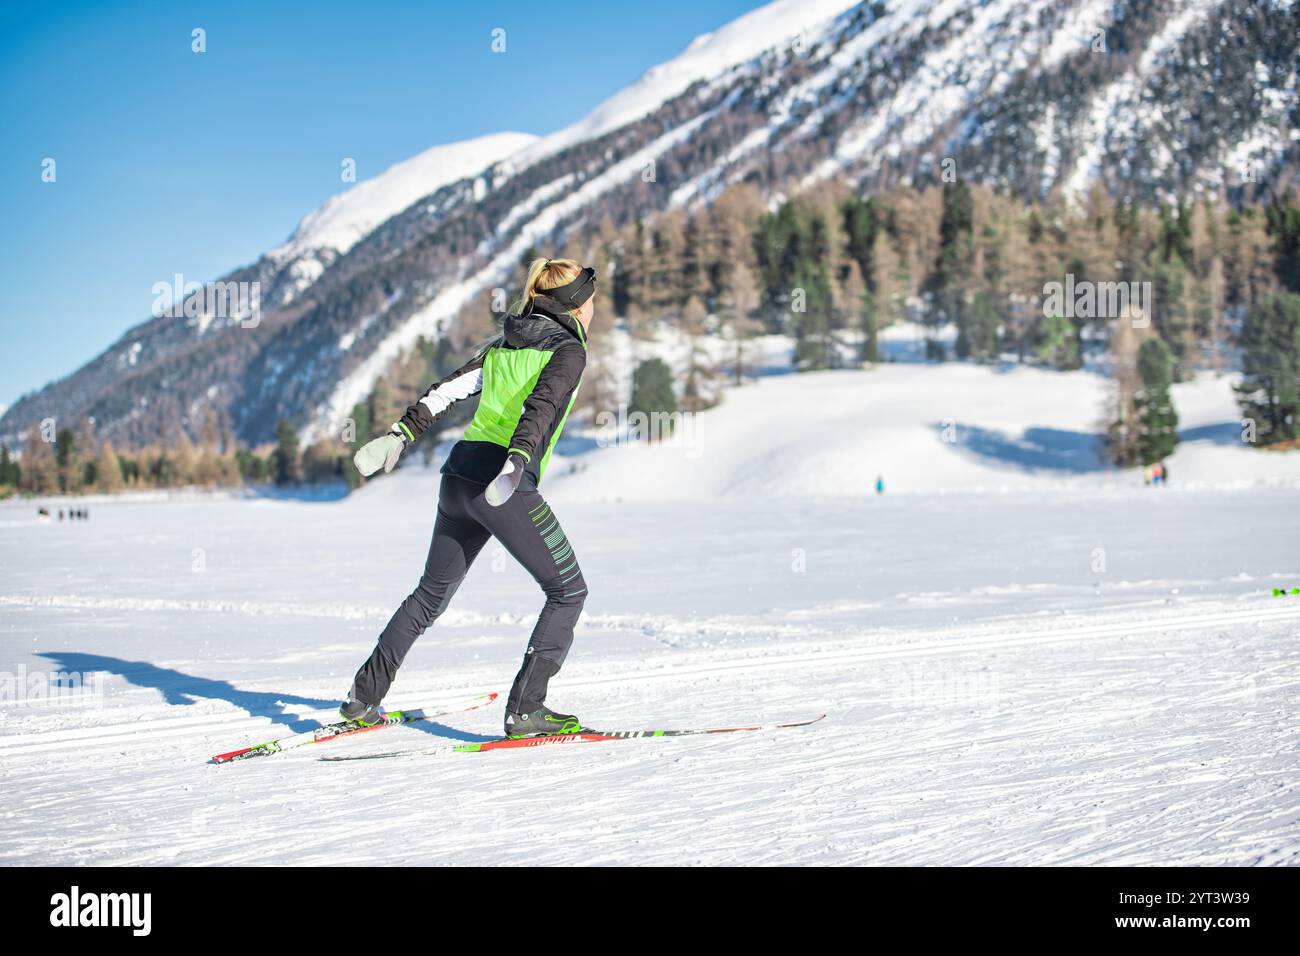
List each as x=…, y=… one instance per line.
x=528, y=377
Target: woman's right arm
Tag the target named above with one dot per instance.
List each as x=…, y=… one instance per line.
x=440, y=396
x=384, y=451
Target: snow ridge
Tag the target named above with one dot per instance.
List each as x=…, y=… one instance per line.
x=352, y=215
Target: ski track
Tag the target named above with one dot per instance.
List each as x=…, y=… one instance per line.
x=1154, y=768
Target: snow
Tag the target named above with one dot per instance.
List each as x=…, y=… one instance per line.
x=927, y=429
x=707, y=56
x=353, y=214
x=1113, y=110
x=977, y=61
x=1085, y=21
x=1023, y=660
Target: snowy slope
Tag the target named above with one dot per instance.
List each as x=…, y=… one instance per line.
x=1188, y=94
x=347, y=218
x=353, y=214
x=924, y=428
x=709, y=55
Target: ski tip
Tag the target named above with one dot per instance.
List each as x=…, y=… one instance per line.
x=227, y=757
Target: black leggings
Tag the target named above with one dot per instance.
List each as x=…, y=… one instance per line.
x=528, y=529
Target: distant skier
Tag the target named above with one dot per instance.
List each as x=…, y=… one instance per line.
x=880, y=484
x=528, y=377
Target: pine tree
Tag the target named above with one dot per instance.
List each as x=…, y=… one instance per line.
x=66, y=458
x=1157, y=419
x=1269, y=392
x=953, y=266
x=653, y=395
x=814, y=323
x=382, y=407
x=664, y=291
x=1248, y=259
x=776, y=242
x=1172, y=314
x=10, y=472
x=361, y=419
x=287, y=466
x=1284, y=226
x=861, y=222
x=979, y=338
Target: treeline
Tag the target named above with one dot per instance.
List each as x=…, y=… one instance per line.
x=1214, y=285
x=832, y=269
x=75, y=462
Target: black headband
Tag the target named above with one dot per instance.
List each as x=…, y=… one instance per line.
x=574, y=293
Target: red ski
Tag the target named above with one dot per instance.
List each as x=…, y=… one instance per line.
x=583, y=737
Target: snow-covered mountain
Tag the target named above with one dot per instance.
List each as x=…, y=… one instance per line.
x=349, y=217
x=1146, y=97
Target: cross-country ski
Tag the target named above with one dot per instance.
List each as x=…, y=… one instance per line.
x=585, y=735
x=349, y=728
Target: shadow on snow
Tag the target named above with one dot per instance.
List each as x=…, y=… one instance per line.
x=181, y=689
x=1038, y=449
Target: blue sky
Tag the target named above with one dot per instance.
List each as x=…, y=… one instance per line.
x=170, y=161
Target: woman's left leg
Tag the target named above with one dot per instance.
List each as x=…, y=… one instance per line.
x=529, y=530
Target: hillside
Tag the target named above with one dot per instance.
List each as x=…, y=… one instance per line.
x=1182, y=96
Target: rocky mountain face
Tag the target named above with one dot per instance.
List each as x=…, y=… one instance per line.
x=1148, y=98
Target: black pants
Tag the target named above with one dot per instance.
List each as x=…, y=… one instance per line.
x=528, y=529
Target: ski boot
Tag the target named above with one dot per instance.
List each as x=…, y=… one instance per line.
x=360, y=713
x=542, y=722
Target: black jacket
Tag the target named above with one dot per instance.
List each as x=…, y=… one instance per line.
x=527, y=378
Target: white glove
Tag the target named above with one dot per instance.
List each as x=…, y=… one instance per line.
x=382, y=451
x=505, y=483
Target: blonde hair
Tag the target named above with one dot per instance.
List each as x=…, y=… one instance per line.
x=545, y=274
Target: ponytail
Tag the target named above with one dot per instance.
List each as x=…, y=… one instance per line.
x=545, y=274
